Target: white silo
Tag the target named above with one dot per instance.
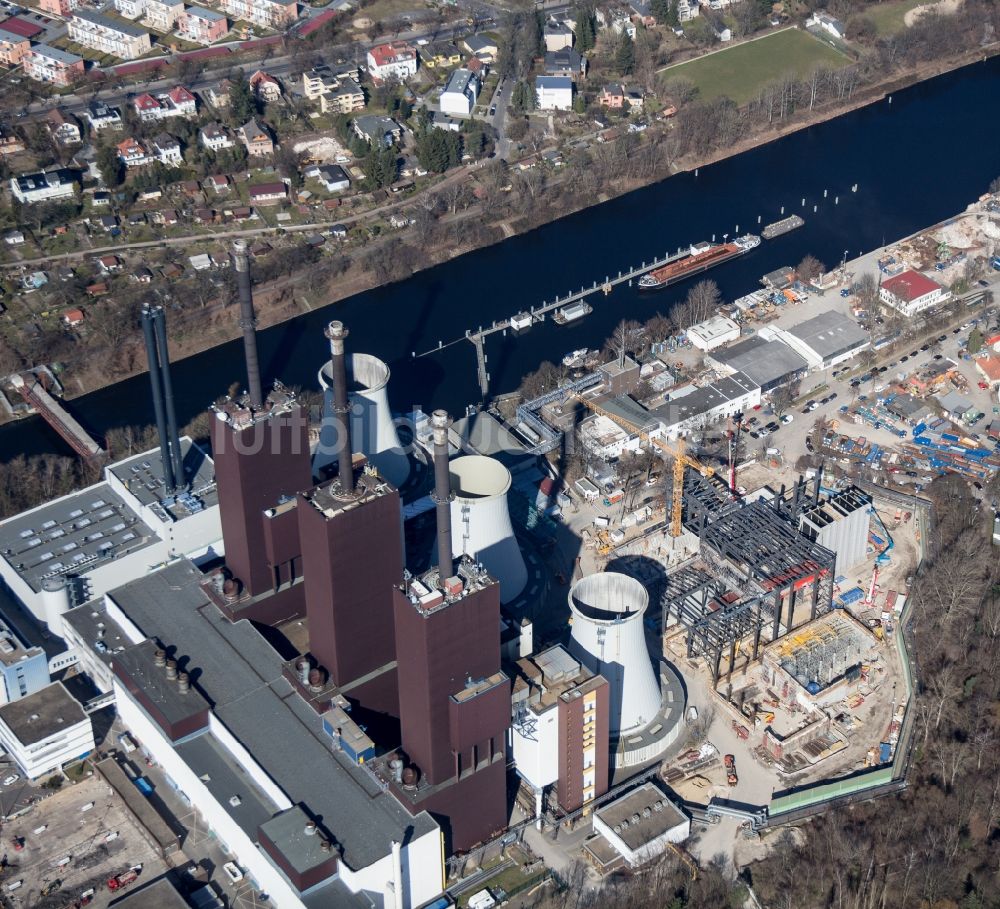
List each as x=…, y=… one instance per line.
x=55, y=601
x=373, y=431
x=480, y=521
x=608, y=638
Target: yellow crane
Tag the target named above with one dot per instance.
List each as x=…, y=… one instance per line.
x=674, y=450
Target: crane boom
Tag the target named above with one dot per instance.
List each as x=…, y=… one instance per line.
x=674, y=450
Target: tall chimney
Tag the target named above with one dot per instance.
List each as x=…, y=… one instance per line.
x=336, y=332
x=153, y=357
x=440, y=421
x=160, y=327
x=248, y=322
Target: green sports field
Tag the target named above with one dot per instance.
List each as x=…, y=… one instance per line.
x=739, y=72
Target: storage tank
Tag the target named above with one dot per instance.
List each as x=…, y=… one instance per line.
x=608, y=638
x=480, y=521
x=373, y=431
x=55, y=601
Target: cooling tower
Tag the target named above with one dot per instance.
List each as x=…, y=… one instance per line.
x=480, y=522
x=608, y=638
x=372, y=429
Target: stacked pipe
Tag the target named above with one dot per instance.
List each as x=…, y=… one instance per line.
x=440, y=421
x=155, y=334
x=248, y=322
x=336, y=333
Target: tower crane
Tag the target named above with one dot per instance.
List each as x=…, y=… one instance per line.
x=674, y=450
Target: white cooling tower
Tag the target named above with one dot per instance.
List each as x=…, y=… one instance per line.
x=480, y=522
x=373, y=431
x=608, y=638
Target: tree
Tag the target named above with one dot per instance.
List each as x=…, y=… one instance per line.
x=975, y=341
x=110, y=165
x=288, y=161
x=439, y=149
x=242, y=101
x=625, y=55
x=703, y=300
x=665, y=12
x=782, y=398
x=628, y=337
x=586, y=34
x=522, y=98
x=380, y=166
x=810, y=268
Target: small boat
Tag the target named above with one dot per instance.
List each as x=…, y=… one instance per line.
x=576, y=358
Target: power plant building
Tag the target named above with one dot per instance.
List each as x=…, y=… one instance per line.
x=559, y=733
x=840, y=523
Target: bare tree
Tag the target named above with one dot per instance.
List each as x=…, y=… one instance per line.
x=703, y=300
x=628, y=337
x=810, y=268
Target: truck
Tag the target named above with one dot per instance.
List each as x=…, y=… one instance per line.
x=124, y=879
x=613, y=497
x=741, y=730
x=731, y=776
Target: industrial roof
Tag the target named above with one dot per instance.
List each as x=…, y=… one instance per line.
x=704, y=400
x=160, y=894
x=715, y=327
x=142, y=475
x=830, y=334
x=241, y=675
x=629, y=820
x=764, y=362
x=41, y=715
x=73, y=534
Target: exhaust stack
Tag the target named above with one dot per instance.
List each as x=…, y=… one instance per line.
x=160, y=324
x=440, y=421
x=336, y=332
x=248, y=322
x=153, y=359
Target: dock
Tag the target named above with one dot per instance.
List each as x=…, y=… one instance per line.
x=71, y=432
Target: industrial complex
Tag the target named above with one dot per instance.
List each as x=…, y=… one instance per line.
x=365, y=667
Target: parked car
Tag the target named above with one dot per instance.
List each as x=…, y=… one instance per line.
x=233, y=872
x=10, y=780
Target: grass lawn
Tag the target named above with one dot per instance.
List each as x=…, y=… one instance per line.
x=888, y=17
x=739, y=72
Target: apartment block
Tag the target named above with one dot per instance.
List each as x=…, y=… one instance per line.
x=108, y=36
x=202, y=26
x=162, y=15
x=52, y=65
x=13, y=48
x=276, y=14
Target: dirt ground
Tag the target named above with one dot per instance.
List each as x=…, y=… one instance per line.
x=99, y=842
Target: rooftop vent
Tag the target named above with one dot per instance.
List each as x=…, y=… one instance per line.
x=235, y=801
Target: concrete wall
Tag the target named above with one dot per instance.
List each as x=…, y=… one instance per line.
x=537, y=754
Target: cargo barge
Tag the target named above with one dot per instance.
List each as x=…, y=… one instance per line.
x=566, y=314
x=792, y=222
x=702, y=256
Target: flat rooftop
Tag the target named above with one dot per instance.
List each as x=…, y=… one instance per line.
x=73, y=534
x=43, y=714
x=704, y=400
x=553, y=674
x=628, y=817
x=142, y=475
x=760, y=360
x=830, y=334
x=240, y=674
x=330, y=500
x=237, y=412
x=161, y=894
x=12, y=647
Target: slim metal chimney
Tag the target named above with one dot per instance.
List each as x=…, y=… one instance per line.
x=153, y=358
x=160, y=326
x=248, y=322
x=337, y=334
x=440, y=421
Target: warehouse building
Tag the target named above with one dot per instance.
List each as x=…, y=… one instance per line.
x=700, y=407
x=641, y=825
x=765, y=361
x=713, y=333
x=825, y=340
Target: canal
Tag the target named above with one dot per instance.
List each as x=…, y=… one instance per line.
x=916, y=161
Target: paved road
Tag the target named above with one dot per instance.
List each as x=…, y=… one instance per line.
x=501, y=102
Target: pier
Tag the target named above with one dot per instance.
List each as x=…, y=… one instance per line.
x=71, y=432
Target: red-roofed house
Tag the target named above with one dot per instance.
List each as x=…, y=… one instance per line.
x=989, y=368
x=183, y=100
x=265, y=86
x=133, y=153
x=268, y=193
x=395, y=60
x=911, y=292
x=73, y=317
x=146, y=106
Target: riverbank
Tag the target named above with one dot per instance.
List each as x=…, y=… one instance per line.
x=220, y=326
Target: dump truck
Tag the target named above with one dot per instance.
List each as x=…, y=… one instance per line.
x=731, y=776
x=122, y=880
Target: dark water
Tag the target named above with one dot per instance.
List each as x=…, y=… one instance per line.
x=916, y=161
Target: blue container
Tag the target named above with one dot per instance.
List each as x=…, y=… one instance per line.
x=884, y=753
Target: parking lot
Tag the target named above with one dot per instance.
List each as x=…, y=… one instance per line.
x=74, y=840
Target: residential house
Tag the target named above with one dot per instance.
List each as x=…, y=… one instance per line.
x=216, y=137
x=10, y=142
x=642, y=13
x=162, y=15
x=612, y=96
x=637, y=101
x=133, y=153
x=108, y=36
x=268, y=193
x=167, y=149
x=687, y=10
x=557, y=35
x=346, y=99
x=142, y=275
x=61, y=9
x=554, y=93
x=333, y=177
x=13, y=237
x=317, y=81
x=101, y=198
x=218, y=183
x=218, y=96
x=459, y=95
x=988, y=367
x=565, y=62
x=372, y=128
x=13, y=47
x=63, y=129
x=202, y=26
x=178, y=102
x=442, y=55
x=257, y=139
x=41, y=187
x=265, y=86
x=276, y=14
x=722, y=32
x=109, y=265
x=483, y=47
x=73, y=318
x=911, y=292
x=52, y=65
x=477, y=67
x=130, y=9
x=395, y=60
x=827, y=23
x=101, y=116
